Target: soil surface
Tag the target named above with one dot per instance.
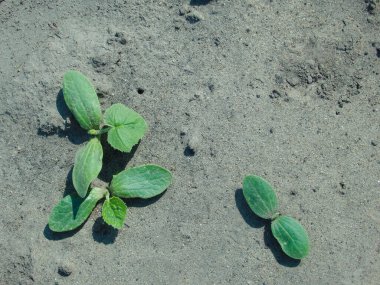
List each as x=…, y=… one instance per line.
x=288, y=90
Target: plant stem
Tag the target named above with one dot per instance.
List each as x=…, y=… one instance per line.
x=275, y=216
x=99, y=132
x=99, y=183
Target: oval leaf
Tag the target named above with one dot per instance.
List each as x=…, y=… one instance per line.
x=72, y=211
x=292, y=236
x=260, y=196
x=80, y=96
x=127, y=127
x=114, y=212
x=141, y=182
x=88, y=163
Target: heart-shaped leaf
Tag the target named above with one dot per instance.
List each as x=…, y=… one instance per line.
x=80, y=96
x=260, y=196
x=141, y=182
x=292, y=236
x=114, y=212
x=72, y=211
x=127, y=127
x=88, y=163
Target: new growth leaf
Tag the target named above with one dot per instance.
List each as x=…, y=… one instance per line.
x=114, y=212
x=127, y=127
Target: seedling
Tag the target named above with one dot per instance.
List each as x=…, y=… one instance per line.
x=137, y=182
x=124, y=128
x=289, y=233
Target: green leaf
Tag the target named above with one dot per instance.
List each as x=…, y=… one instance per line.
x=72, y=211
x=141, y=182
x=114, y=212
x=80, y=96
x=292, y=236
x=260, y=196
x=88, y=163
x=127, y=127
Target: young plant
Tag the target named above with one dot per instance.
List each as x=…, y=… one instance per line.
x=289, y=233
x=137, y=182
x=124, y=127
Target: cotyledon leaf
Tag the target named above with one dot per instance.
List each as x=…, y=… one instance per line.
x=80, y=96
x=87, y=165
x=141, y=182
x=292, y=236
x=260, y=196
x=114, y=212
x=72, y=210
x=127, y=127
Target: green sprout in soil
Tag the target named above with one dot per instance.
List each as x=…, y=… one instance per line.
x=124, y=128
x=289, y=233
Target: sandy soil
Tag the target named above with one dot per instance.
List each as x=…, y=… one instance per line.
x=288, y=90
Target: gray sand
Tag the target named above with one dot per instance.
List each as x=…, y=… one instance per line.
x=288, y=90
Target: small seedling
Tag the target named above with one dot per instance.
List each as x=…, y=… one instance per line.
x=137, y=182
x=289, y=233
x=124, y=128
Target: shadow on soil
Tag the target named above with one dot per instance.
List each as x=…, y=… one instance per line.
x=199, y=2
x=114, y=161
x=103, y=233
x=72, y=130
x=256, y=222
x=50, y=235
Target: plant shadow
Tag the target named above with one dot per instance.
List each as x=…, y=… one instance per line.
x=69, y=188
x=249, y=217
x=72, y=130
x=256, y=222
x=276, y=250
x=140, y=203
x=54, y=236
x=115, y=160
x=199, y=2
x=103, y=233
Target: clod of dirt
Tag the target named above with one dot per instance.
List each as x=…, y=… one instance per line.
x=278, y=95
x=194, y=17
x=102, y=65
x=371, y=6
x=64, y=270
x=191, y=140
x=293, y=80
x=50, y=125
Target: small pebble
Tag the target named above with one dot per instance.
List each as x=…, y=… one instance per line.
x=293, y=80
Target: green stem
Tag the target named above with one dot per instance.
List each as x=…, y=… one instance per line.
x=98, y=132
x=275, y=216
